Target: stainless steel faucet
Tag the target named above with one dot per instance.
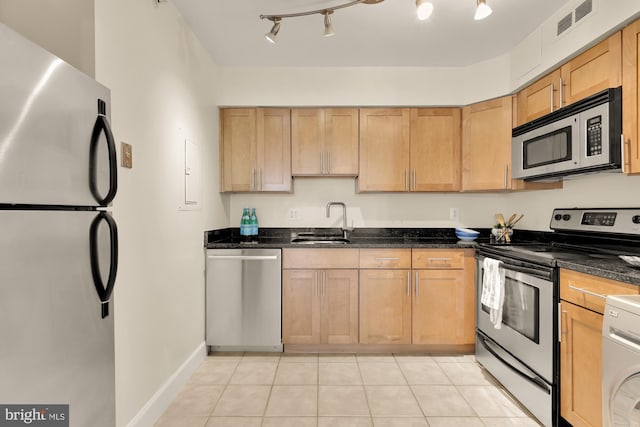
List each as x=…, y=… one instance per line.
x=345, y=228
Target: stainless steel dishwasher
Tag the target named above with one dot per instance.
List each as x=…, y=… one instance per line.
x=244, y=300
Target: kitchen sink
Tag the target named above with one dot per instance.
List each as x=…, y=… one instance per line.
x=319, y=240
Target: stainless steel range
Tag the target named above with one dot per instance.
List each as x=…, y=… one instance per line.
x=521, y=348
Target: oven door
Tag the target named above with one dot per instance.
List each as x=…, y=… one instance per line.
x=527, y=330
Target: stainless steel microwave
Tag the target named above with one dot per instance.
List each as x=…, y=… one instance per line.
x=580, y=138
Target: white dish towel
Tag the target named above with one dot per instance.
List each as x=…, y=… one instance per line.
x=493, y=290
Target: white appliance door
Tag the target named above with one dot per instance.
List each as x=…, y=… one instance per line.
x=56, y=346
x=56, y=147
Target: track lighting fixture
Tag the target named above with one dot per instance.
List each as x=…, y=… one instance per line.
x=328, y=27
x=271, y=35
x=424, y=9
x=482, y=11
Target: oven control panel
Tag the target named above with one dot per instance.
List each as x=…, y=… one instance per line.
x=619, y=220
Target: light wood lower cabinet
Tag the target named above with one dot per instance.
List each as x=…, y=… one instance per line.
x=581, y=366
x=385, y=306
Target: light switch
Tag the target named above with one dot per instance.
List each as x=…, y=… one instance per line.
x=127, y=155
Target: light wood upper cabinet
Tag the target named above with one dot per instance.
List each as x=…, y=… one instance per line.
x=255, y=149
x=435, y=149
x=324, y=141
x=631, y=97
x=384, y=149
x=594, y=70
x=486, y=145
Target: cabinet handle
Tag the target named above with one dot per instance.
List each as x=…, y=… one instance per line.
x=441, y=260
x=321, y=162
x=406, y=180
x=417, y=287
x=315, y=284
x=408, y=283
x=560, y=315
x=328, y=162
x=324, y=282
x=414, y=179
x=260, y=177
x=386, y=259
x=552, y=92
x=506, y=176
x=561, y=93
x=584, y=291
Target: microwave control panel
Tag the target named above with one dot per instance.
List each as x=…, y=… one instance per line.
x=594, y=136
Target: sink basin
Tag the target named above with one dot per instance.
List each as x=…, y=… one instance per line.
x=319, y=240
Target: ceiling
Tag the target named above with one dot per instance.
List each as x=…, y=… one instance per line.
x=384, y=34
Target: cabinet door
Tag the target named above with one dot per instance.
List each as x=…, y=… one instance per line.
x=595, y=70
x=631, y=97
x=486, y=145
x=307, y=141
x=385, y=307
x=300, y=307
x=273, y=152
x=384, y=149
x=339, y=307
x=435, y=149
x=341, y=139
x=581, y=366
x=238, y=149
x=441, y=300
x=540, y=98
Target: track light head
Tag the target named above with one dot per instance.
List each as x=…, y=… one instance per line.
x=482, y=11
x=271, y=35
x=328, y=26
x=424, y=9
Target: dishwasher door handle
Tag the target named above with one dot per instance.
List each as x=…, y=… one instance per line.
x=244, y=257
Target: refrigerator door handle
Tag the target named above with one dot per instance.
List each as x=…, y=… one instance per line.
x=102, y=126
x=104, y=291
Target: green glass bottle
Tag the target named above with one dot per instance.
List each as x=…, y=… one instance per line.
x=245, y=225
x=253, y=221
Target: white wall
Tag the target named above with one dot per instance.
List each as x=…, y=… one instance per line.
x=364, y=86
x=163, y=89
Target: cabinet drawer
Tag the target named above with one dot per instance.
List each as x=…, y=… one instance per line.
x=590, y=291
x=438, y=258
x=385, y=258
x=320, y=258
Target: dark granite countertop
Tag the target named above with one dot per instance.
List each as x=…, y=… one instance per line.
x=229, y=238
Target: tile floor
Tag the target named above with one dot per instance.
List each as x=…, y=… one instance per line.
x=343, y=390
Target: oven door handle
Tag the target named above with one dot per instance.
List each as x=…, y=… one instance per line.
x=531, y=271
x=532, y=379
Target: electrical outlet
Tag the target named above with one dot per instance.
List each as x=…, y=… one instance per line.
x=294, y=214
x=454, y=214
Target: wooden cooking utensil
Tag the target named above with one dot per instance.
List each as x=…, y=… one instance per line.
x=510, y=220
x=500, y=219
x=518, y=219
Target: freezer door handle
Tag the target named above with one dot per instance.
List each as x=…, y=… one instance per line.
x=102, y=126
x=104, y=291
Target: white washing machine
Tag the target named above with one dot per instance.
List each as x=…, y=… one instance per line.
x=621, y=362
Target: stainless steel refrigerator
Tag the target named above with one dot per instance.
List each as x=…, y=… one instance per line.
x=58, y=243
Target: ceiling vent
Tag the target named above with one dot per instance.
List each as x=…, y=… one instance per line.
x=584, y=9
x=565, y=23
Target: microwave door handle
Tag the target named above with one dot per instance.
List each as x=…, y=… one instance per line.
x=525, y=270
x=532, y=379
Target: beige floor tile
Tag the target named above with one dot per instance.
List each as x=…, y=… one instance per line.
x=259, y=357
x=342, y=400
x=344, y=422
x=254, y=373
x=461, y=373
x=297, y=374
x=455, y=422
x=412, y=357
x=289, y=422
x=339, y=374
x=227, y=356
x=234, y=422
x=337, y=358
x=400, y=422
x=195, y=399
x=181, y=422
x=213, y=372
x=426, y=372
x=243, y=401
x=375, y=357
x=298, y=358
x=392, y=401
x=381, y=373
x=293, y=400
x=510, y=422
x=442, y=400
x=489, y=401
x=454, y=358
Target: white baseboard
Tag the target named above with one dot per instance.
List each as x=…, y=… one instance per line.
x=162, y=398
